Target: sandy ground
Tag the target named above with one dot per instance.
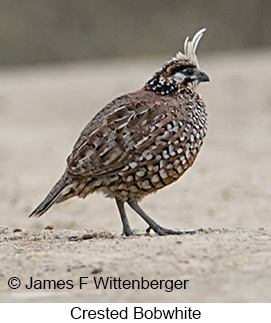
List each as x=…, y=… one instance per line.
x=226, y=195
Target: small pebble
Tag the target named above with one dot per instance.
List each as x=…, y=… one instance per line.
x=49, y=227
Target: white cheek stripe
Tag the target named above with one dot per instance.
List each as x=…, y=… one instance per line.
x=179, y=77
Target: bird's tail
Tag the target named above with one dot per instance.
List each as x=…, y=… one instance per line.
x=61, y=191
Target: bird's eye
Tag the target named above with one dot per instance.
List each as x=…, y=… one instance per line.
x=189, y=71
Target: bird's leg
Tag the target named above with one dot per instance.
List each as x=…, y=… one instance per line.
x=152, y=224
x=127, y=231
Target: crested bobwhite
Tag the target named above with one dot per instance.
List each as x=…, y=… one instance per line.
x=139, y=142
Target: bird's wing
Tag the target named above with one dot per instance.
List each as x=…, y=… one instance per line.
x=118, y=135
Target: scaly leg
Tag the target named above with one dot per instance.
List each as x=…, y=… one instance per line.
x=153, y=225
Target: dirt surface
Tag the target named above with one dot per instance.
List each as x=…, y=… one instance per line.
x=225, y=195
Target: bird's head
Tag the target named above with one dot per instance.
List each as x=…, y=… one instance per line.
x=181, y=72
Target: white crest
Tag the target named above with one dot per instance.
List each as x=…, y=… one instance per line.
x=190, y=47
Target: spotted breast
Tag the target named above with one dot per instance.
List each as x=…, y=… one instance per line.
x=141, y=145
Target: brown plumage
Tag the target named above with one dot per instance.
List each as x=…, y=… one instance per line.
x=140, y=142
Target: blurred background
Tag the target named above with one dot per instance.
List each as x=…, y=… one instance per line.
x=49, y=31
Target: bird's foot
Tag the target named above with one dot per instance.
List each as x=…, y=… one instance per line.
x=163, y=231
x=130, y=233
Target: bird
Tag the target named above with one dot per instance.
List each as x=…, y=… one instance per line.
x=140, y=142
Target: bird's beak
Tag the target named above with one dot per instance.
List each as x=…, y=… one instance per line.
x=202, y=77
